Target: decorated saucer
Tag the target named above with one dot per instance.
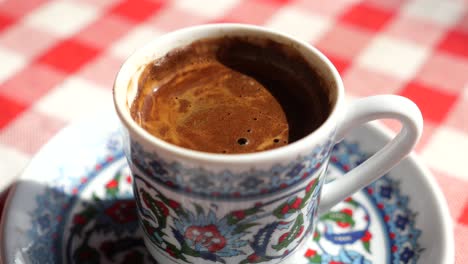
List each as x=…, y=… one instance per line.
x=73, y=204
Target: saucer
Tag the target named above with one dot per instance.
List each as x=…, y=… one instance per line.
x=73, y=204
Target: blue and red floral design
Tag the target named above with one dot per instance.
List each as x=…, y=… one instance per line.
x=205, y=233
x=344, y=234
x=91, y=218
x=226, y=184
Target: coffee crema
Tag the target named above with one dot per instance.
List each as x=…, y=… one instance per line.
x=231, y=95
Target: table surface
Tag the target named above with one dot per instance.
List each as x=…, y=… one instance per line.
x=58, y=60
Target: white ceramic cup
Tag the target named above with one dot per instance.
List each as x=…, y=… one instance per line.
x=199, y=207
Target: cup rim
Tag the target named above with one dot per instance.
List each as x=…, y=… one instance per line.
x=295, y=148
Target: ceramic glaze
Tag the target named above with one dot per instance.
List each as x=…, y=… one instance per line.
x=105, y=229
x=77, y=207
x=256, y=207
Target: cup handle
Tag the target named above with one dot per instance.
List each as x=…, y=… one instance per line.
x=362, y=111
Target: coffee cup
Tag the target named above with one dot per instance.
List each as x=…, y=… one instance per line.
x=261, y=207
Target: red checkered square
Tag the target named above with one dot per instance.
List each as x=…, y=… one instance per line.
x=31, y=83
x=5, y=21
x=10, y=110
x=437, y=69
x=165, y=21
x=137, y=10
x=387, y=4
x=30, y=131
x=18, y=8
x=104, y=31
x=18, y=38
x=360, y=81
x=341, y=64
x=69, y=55
x=455, y=42
x=410, y=28
x=367, y=16
x=463, y=219
x=251, y=12
x=434, y=103
x=102, y=70
x=332, y=42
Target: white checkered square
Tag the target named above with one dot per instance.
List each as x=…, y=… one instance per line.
x=102, y=70
x=18, y=39
x=443, y=152
x=30, y=131
x=300, y=24
x=101, y=3
x=393, y=56
x=444, y=13
x=206, y=8
x=63, y=18
x=325, y=8
x=134, y=40
x=75, y=98
x=11, y=165
x=361, y=81
x=10, y=63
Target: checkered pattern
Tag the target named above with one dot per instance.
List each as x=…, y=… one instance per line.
x=59, y=58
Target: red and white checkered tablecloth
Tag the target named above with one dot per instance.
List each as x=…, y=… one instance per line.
x=58, y=60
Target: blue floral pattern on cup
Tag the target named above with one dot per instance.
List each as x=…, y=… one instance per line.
x=227, y=184
x=267, y=230
x=124, y=242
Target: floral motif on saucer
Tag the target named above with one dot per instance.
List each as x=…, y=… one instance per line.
x=103, y=227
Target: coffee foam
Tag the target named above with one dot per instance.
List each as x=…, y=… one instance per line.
x=193, y=99
x=207, y=104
